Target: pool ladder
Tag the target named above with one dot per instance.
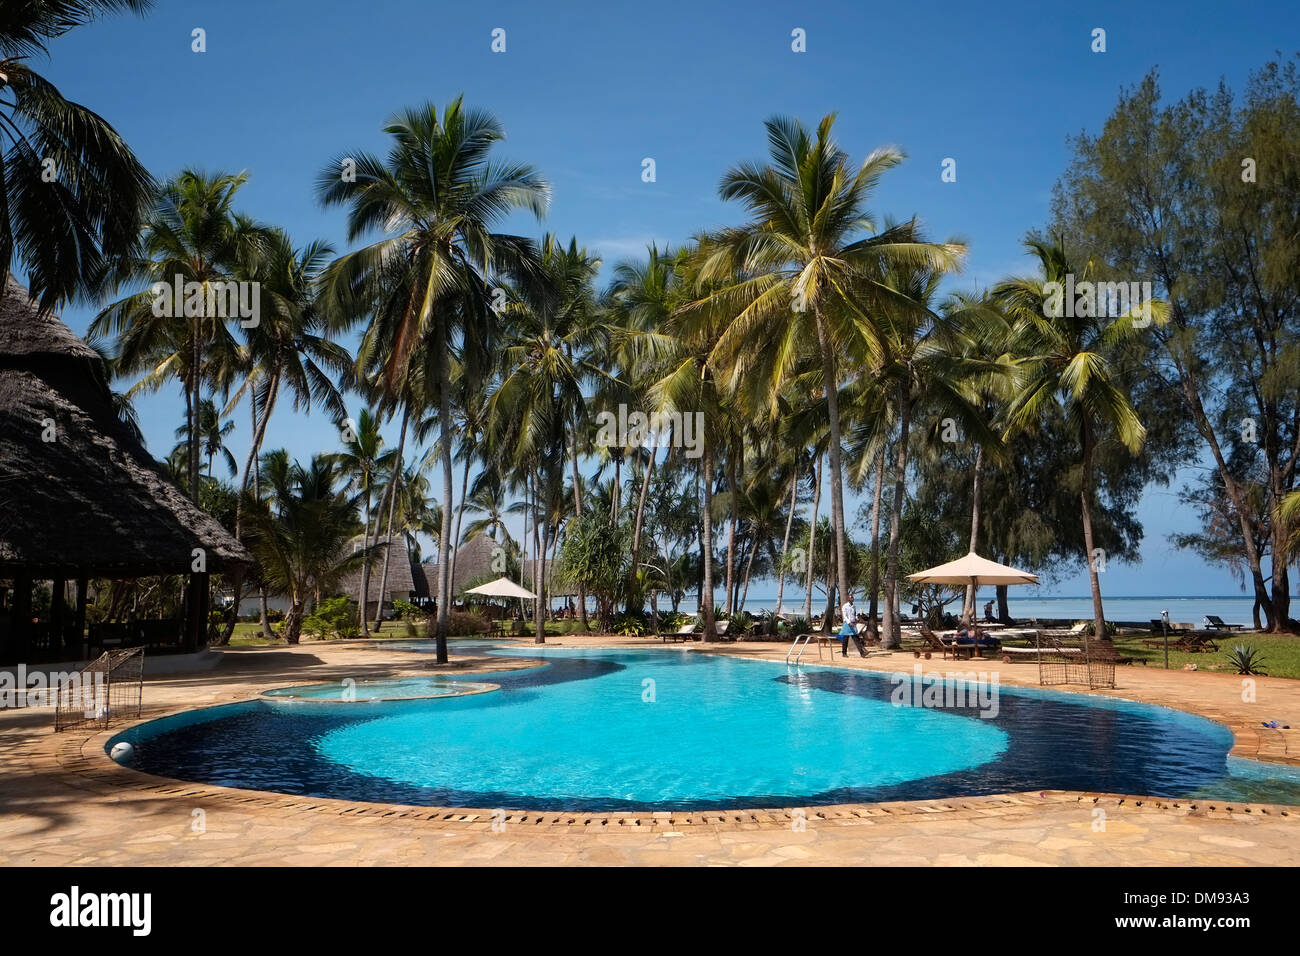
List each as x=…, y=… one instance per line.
x=807, y=639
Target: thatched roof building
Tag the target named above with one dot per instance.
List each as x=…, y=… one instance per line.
x=476, y=562
x=400, y=584
x=79, y=494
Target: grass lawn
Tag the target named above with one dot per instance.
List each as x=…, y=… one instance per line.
x=1281, y=653
x=250, y=635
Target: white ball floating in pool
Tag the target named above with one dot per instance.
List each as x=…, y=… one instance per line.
x=122, y=752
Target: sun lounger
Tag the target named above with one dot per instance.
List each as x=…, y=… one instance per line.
x=1192, y=643
x=1217, y=624
x=684, y=633
x=934, y=642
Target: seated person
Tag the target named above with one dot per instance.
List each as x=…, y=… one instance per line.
x=988, y=613
x=973, y=635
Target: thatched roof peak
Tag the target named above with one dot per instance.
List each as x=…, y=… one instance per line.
x=26, y=331
x=79, y=494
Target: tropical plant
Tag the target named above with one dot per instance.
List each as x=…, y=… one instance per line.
x=192, y=235
x=299, y=533
x=73, y=192
x=1065, y=358
x=438, y=195
x=1247, y=660
x=629, y=625
x=213, y=433
x=811, y=271
x=336, y=616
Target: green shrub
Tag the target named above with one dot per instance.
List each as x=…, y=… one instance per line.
x=675, y=622
x=462, y=624
x=800, y=626
x=406, y=611
x=333, y=617
x=629, y=625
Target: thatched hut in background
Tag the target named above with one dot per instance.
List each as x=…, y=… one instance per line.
x=400, y=584
x=477, y=561
x=80, y=497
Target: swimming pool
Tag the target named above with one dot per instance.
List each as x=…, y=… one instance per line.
x=604, y=730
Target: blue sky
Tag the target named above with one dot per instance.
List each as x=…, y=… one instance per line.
x=587, y=91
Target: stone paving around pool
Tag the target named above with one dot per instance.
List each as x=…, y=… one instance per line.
x=64, y=802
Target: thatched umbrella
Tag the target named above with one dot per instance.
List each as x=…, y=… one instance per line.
x=973, y=570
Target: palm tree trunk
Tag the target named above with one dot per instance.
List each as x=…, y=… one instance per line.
x=968, y=606
x=892, y=637
x=749, y=565
x=448, y=480
x=264, y=617
x=872, y=599
x=539, y=613
x=706, y=549
x=577, y=511
x=388, y=532
x=637, y=526
x=617, y=489
x=250, y=464
x=460, y=514
x=1085, y=500
x=812, y=540
x=733, y=518
x=194, y=414
x=365, y=567
x=836, y=470
x=293, y=622
x=785, y=542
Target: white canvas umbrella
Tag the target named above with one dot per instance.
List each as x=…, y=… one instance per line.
x=972, y=569
x=503, y=588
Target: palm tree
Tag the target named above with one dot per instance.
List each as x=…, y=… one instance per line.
x=1065, y=359
x=685, y=382
x=487, y=498
x=544, y=365
x=299, y=534
x=213, y=433
x=809, y=267
x=291, y=346
x=927, y=357
x=364, y=462
x=192, y=232
x=66, y=230
x=438, y=196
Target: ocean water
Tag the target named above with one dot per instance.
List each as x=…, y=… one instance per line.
x=1233, y=609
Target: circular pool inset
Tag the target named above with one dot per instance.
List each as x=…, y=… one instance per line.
x=395, y=688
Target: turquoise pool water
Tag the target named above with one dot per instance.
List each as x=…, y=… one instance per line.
x=614, y=729
x=407, y=688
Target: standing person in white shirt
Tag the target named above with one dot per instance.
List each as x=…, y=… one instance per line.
x=850, y=615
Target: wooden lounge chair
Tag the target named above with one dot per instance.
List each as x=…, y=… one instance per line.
x=1217, y=624
x=934, y=642
x=1200, y=642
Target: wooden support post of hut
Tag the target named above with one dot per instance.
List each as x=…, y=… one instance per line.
x=81, y=498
